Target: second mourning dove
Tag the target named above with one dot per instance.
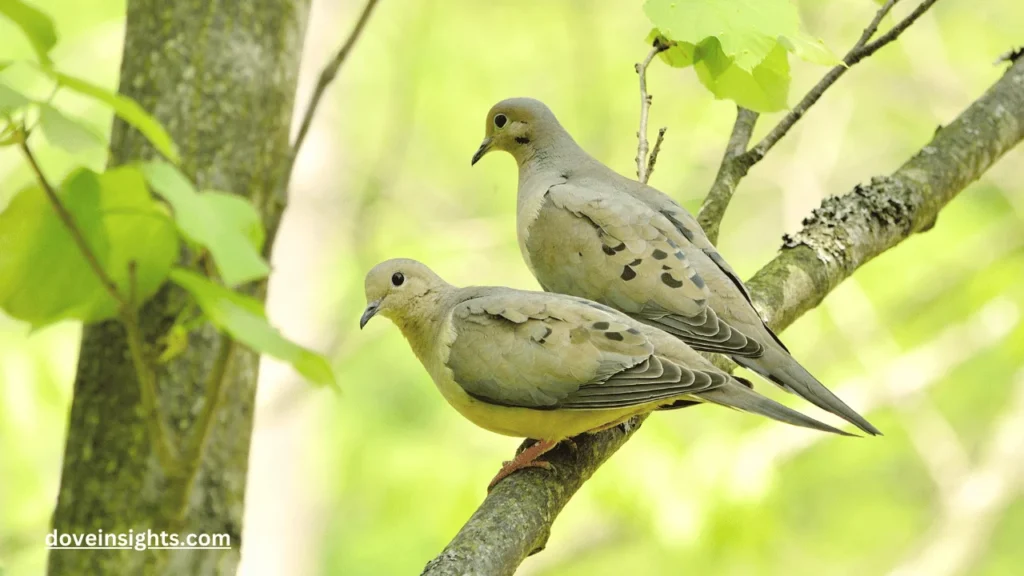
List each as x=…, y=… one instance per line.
x=547, y=366
x=588, y=231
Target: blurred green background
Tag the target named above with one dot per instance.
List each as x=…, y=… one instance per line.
x=928, y=339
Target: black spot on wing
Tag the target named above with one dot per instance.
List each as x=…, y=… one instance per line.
x=614, y=336
x=697, y=280
x=620, y=247
x=607, y=250
x=659, y=255
x=669, y=281
x=628, y=273
x=636, y=262
x=633, y=331
x=601, y=325
x=666, y=267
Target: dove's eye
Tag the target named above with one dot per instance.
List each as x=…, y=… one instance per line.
x=397, y=278
x=500, y=120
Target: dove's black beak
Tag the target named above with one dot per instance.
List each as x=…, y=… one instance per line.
x=485, y=147
x=370, y=312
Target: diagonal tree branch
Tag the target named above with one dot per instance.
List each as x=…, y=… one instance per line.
x=844, y=234
x=735, y=166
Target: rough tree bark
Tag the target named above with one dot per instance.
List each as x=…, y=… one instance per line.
x=221, y=76
x=845, y=233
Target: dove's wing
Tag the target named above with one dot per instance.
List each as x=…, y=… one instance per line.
x=615, y=249
x=536, y=350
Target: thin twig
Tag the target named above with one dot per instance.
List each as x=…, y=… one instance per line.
x=69, y=224
x=654, y=152
x=730, y=172
x=861, y=50
x=279, y=199
x=327, y=76
x=195, y=447
x=642, y=173
x=159, y=435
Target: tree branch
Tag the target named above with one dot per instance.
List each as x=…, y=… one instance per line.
x=735, y=167
x=515, y=518
x=643, y=168
x=327, y=75
x=732, y=169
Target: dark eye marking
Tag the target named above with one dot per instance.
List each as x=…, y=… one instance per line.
x=397, y=279
x=500, y=120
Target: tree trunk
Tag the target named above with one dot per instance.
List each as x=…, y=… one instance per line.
x=221, y=76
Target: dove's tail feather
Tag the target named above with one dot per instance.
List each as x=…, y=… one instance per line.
x=737, y=396
x=782, y=369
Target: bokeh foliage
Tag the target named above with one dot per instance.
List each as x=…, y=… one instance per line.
x=930, y=333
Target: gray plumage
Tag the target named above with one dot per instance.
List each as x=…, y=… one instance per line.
x=549, y=366
x=585, y=230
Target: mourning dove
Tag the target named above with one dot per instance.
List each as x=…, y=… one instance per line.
x=588, y=231
x=547, y=366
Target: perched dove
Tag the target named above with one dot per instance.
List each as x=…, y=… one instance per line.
x=547, y=366
x=588, y=231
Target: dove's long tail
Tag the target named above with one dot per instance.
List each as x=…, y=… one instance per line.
x=782, y=369
x=736, y=395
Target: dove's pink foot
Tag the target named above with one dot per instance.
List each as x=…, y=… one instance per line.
x=525, y=459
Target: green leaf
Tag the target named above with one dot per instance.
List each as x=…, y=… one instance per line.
x=11, y=100
x=810, y=49
x=36, y=25
x=66, y=133
x=243, y=318
x=128, y=110
x=140, y=230
x=239, y=213
x=746, y=29
x=764, y=89
x=46, y=277
x=212, y=222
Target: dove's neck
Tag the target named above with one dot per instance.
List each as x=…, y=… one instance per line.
x=548, y=162
x=424, y=329
x=552, y=152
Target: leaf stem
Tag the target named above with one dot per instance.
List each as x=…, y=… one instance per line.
x=69, y=223
x=158, y=432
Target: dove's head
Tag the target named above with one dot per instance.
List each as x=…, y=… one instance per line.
x=519, y=126
x=395, y=289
